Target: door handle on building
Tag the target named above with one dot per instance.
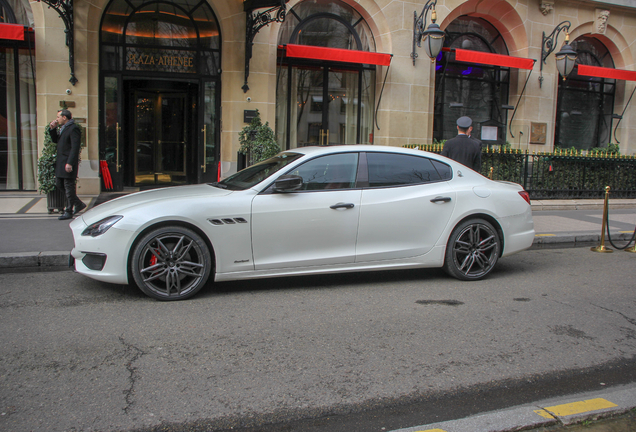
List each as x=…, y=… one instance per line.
x=205, y=146
x=117, y=129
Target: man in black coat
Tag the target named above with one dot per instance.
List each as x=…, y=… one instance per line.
x=463, y=148
x=68, y=138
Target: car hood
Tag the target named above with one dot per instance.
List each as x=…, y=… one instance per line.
x=121, y=205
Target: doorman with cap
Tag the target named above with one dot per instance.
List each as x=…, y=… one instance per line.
x=463, y=148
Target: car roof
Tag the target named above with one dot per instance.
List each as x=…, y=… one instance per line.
x=317, y=150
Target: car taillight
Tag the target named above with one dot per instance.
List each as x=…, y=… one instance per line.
x=525, y=195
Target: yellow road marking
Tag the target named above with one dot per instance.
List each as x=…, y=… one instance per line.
x=544, y=414
x=544, y=235
x=432, y=430
x=580, y=407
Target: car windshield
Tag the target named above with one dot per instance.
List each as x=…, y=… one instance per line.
x=255, y=174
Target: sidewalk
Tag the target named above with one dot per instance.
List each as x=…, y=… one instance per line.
x=550, y=413
x=32, y=238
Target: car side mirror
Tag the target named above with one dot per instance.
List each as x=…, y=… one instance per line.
x=288, y=183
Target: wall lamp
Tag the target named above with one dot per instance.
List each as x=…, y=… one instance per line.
x=433, y=36
x=566, y=58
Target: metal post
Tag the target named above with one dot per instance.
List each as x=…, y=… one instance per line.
x=601, y=248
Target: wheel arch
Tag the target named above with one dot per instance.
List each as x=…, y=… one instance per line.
x=490, y=220
x=166, y=223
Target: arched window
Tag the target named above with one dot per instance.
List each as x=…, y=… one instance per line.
x=321, y=102
x=585, y=104
x=130, y=27
x=466, y=89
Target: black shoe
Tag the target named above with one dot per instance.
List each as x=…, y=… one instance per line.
x=78, y=208
x=66, y=215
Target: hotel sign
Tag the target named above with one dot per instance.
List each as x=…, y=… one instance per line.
x=158, y=60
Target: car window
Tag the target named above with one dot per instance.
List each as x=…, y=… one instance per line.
x=255, y=174
x=391, y=169
x=445, y=171
x=337, y=171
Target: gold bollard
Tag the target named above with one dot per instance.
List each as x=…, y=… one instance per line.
x=490, y=175
x=601, y=248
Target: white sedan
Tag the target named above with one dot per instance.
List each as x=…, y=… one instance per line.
x=306, y=211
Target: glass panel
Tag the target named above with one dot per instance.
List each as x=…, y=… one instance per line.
x=145, y=134
x=329, y=172
x=281, y=106
x=172, y=146
x=397, y=170
x=327, y=32
x=208, y=29
x=8, y=145
x=578, y=120
x=28, y=124
x=307, y=109
x=342, y=106
x=368, y=99
x=161, y=24
x=209, y=124
x=209, y=64
x=111, y=58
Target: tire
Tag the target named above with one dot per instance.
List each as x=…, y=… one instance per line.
x=171, y=263
x=472, y=250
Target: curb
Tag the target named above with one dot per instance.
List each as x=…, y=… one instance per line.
x=563, y=411
x=34, y=259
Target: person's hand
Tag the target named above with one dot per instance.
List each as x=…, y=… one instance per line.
x=68, y=168
x=53, y=124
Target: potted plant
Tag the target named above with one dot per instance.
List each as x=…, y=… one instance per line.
x=258, y=141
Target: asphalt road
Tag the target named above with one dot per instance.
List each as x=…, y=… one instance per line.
x=382, y=350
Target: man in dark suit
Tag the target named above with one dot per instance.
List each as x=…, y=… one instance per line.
x=68, y=138
x=463, y=148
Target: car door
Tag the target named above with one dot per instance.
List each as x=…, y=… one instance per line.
x=316, y=225
x=405, y=208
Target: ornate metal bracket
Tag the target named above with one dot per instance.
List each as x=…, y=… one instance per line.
x=549, y=44
x=255, y=22
x=418, y=26
x=64, y=8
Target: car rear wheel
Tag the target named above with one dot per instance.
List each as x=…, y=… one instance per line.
x=473, y=250
x=171, y=263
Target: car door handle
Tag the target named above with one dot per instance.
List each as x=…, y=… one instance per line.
x=442, y=199
x=342, y=205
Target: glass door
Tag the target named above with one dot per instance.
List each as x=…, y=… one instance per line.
x=160, y=138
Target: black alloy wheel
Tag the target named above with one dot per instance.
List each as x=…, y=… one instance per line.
x=171, y=263
x=473, y=250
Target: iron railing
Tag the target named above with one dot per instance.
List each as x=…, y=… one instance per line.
x=559, y=175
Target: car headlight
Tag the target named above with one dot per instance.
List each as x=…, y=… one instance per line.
x=99, y=228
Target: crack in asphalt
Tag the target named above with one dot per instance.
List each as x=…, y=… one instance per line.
x=632, y=321
x=131, y=354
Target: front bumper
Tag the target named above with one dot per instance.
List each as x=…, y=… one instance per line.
x=104, y=258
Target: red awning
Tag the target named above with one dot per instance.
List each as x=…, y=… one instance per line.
x=12, y=31
x=492, y=59
x=337, y=55
x=602, y=72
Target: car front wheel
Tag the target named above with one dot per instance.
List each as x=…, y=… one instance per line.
x=171, y=263
x=472, y=251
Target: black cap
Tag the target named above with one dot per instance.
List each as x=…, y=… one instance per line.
x=464, y=122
